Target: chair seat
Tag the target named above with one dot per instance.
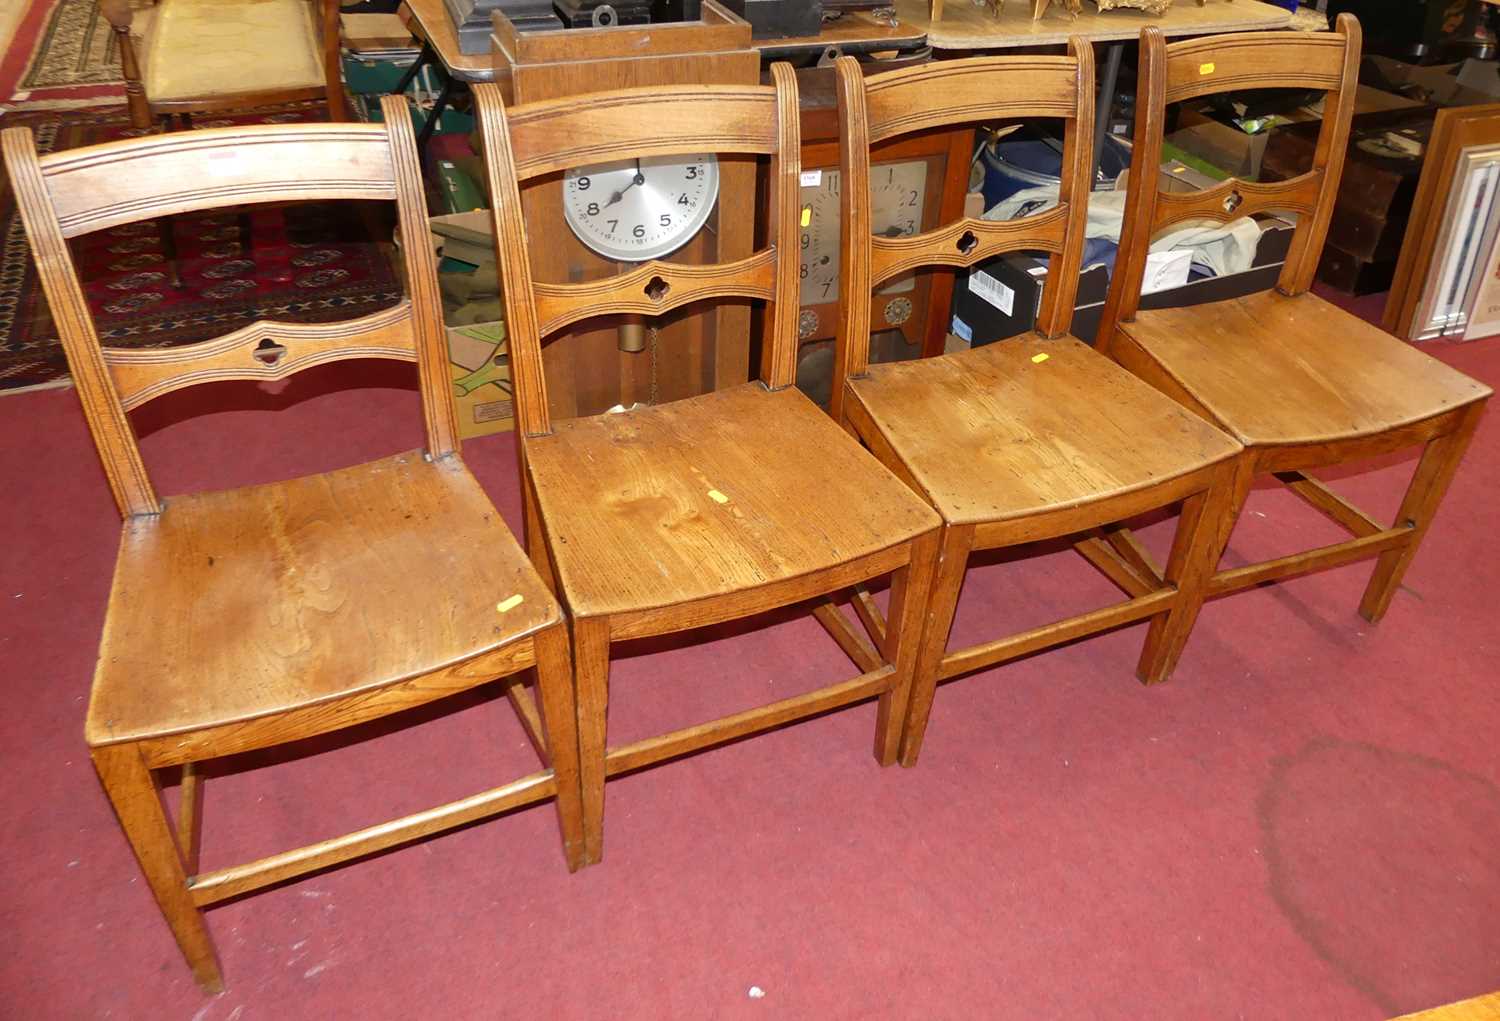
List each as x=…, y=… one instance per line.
x=205, y=49
x=238, y=604
x=1274, y=369
x=709, y=496
x=991, y=434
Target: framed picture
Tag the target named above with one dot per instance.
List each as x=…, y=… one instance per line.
x=1463, y=248
x=1451, y=236
x=1482, y=304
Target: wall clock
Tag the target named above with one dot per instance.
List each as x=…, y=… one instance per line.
x=636, y=210
x=916, y=183
x=898, y=198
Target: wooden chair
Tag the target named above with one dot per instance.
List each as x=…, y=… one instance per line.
x=1028, y=439
x=202, y=56
x=1300, y=383
x=707, y=509
x=249, y=618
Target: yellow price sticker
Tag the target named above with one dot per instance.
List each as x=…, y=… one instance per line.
x=717, y=497
x=506, y=605
x=1039, y=359
x=806, y=216
x=1206, y=68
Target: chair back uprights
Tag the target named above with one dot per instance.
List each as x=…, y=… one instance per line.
x=527, y=142
x=945, y=94
x=1171, y=73
x=82, y=190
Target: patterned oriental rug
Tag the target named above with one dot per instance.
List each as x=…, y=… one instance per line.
x=76, y=48
x=299, y=263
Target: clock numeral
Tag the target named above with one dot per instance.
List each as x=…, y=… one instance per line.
x=583, y=184
x=612, y=225
x=593, y=209
x=692, y=173
x=912, y=200
x=666, y=219
x=682, y=199
x=826, y=285
x=803, y=274
x=639, y=231
x=806, y=240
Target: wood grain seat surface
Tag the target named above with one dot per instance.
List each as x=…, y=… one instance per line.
x=634, y=516
x=237, y=604
x=991, y=435
x=1274, y=369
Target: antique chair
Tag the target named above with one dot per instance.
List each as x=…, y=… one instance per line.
x=202, y=56
x=1033, y=438
x=1300, y=383
x=249, y=618
x=712, y=508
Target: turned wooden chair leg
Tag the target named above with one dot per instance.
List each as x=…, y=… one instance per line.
x=591, y=689
x=554, y=672
x=1202, y=530
x=911, y=590
x=133, y=791
x=1440, y=459
x=955, y=543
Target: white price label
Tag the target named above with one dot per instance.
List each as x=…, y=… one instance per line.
x=812, y=178
x=992, y=291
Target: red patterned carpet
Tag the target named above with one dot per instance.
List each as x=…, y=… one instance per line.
x=303, y=263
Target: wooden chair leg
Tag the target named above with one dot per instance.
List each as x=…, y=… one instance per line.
x=1424, y=495
x=955, y=543
x=591, y=690
x=133, y=791
x=554, y=672
x=911, y=589
x=1202, y=530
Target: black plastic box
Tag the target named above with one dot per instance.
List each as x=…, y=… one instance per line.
x=979, y=321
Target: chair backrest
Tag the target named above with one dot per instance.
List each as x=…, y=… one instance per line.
x=947, y=93
x=81, y=190
x=527, y=142
x=1324, y=61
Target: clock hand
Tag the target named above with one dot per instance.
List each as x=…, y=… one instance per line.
x=639, y=178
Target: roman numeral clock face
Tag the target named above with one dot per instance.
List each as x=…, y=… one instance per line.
x=636, y=210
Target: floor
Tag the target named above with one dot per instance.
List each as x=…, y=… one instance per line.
x=1302, y=824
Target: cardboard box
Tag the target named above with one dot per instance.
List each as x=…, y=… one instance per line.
x=1008, y=294
x=1468, y=83
x=480, y=367
x=1221, y=145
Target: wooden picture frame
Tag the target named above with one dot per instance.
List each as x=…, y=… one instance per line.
x=1431, y=230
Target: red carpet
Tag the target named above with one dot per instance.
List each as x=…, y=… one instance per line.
x=1303, y=824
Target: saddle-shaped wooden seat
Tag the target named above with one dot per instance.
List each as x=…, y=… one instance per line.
x=1277, y=369
x=247, y=603
x=718, y=495
x=989, y=435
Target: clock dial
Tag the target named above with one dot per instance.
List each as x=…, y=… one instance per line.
x=898, y=193
x=635, y=210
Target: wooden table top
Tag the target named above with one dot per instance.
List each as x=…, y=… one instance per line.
x=434, y=25
x=967, y=27
x=854, y=33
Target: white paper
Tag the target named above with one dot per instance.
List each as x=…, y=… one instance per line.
x=992, y=291
x=812, y=178
x=1165, y=270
